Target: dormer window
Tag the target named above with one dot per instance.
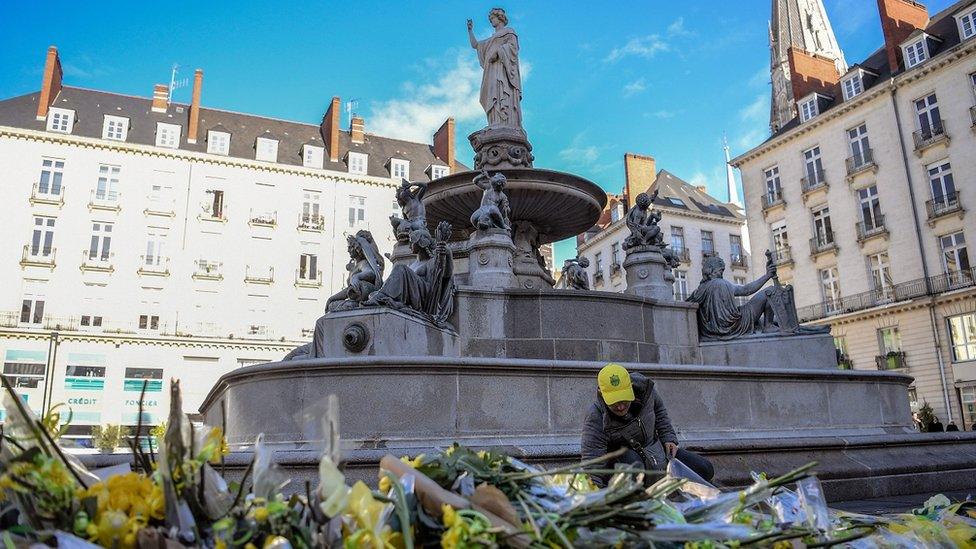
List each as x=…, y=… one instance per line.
x=60, y=120
x=218, y=142
x=916, y=52
x=312, y=156
x=357, y=163
x=266, y=149
x=115, y=128
x=967, y=23
x=853, y=87
x=809, y=109
x=399, y=169
x=168, y=135
x=437, y=172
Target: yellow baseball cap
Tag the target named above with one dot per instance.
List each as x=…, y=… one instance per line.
x=615, y=385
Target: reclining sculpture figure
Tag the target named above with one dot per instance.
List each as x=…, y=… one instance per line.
x=365, y=273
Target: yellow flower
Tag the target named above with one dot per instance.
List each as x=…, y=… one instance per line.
x=449, y=515
x=261, y=514
x=111, y=528
x=385, y=484
x=220, y=544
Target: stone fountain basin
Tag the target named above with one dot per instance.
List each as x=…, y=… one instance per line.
x=561, y=205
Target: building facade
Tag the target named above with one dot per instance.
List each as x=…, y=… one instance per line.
x=150, y=240
x=862, y=196
x=694, y=224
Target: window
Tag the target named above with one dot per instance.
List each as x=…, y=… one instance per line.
x=967, y=24
x=101, y=241
x=707, y=243
x=168, y=135
x=357, y=211
x=955, y=257
x=880, y=269
x=677, y=202
x=79, y=375
x=889, y=340
x=680, y=285
x=942, y=185
x=42, y=241
x=91, y=321
x=436, y=172
x=357, y=163
x=813, y=165
x=735, y=248
x=107, y=186
x=311, y=202
x=218, y=142
x=967, y=396
x=598, y=265
x=615, y=254
x=860, y=146
x=308, y=267
x=915, y=53
x=115, y=128
x=60, y=120
x=312, y=156
x=25, y=369
x=155, y=242
x=32, y=309
x=929, y=119
x=962, y=335
x=808, y=109
x=830, y=288
x=148, y=322
x=215, y=207
x=399, y=169
x=266, y=149
x=853, y=87
x=678, y=238
x=781, y=240
x=823, y=234
x=52, y=172
x=136, y=377
x=870, y=208
x=161, y=193
x=774, y=190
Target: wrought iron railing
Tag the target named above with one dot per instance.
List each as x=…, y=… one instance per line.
x=860, y=162
x=822, y=243
x=782, y=255
x=770, y=200
x=738, y=260
x=814, y=181
x=943, y=205
x=931, y=135
x=868, y=229
x=893, y=360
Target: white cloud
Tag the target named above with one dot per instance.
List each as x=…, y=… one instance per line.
x=643, y=46
x=677, y=28
x=663, y=114
x=579, y=154
x=635, y=87
x=757, y=110
x=755, y=122
x=425, y=106
x=760, y=78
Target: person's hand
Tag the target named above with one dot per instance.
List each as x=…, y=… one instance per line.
x=671, y=449
x=470, y=24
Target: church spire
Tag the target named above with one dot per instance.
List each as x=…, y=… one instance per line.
x=733, y=190
x=801, y=24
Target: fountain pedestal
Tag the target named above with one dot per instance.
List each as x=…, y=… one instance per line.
x=646, y=273
x=498, y=148
x=490, y=260
x=402, y=254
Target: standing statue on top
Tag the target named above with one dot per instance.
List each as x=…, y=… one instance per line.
x=643, y=223
x=501, y=85
x=495, y=209
x=365, y=273
x=410, y=198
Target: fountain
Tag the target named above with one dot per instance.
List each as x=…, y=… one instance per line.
x=466, y=340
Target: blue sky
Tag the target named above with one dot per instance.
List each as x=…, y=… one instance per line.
x=653, y=77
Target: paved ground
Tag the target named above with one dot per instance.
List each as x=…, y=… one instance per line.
x=896, y=504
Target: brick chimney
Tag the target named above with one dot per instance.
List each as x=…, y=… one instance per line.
x=811, y=73
x=51, y=83
x=160, y=98
x=330, y=129
x=639, y=172
x=444, y=143
x=357, y=130
x=899, y=18
x=192, y=129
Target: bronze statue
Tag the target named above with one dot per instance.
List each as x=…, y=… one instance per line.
x=425, y=287
x=495, y=209
x=643, y=223
x=409, y=195
x=574, y=273
x=365, y=273
x=501, y=83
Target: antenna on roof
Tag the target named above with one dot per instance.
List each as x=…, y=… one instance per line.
x=175, y=84
x=350, y=106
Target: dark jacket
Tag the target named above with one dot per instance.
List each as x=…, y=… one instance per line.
x=604, y=431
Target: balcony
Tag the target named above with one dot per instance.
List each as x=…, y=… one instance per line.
x=308, y=279
x=208, y=270
x=813, y=183
x=930, y=137
x=153, y=265
x=770, y=201
x=943, y=206
x=615, y=268
x=52, y=195
x=892, y=360
x=263, y=219
x=208, y=213
x=682, y=253
x=782, y=256
x=106, y=201
x=867, y=230
x=822, y=244
x=311, y=222
x=861, y=163
x=844, y=362
x=97, y=262
x=598, y=276
x=258, y=276
x=38, y=256
x=161, y=208
x=738, y=261
x=972, y=116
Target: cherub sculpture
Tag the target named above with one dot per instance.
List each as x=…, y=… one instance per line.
x=365, y=273
x=643, y=223
x=410, y=198
x=574, y=273
x=494, y=210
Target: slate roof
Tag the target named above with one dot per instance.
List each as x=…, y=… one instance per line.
x=942, y=26
x=692, y=199
x=90, y=106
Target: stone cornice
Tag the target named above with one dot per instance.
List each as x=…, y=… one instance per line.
x=160, y=341
x=936, y=63
x=189, y=156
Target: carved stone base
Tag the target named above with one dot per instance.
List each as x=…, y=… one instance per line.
x=530, y=274
x=490, y=260
x=401, y=254
x=498, y=148
x=646, y=269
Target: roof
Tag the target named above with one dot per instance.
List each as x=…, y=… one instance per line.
x=90, y=106
x=942, y=26
x=692, y=199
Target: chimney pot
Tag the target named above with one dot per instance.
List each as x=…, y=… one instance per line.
x=330, y=129
x=357, y=130
x=899, y=18
x=444, y=143
x=811, y=73
x=160, y=99
x=50, y=82
x=193, y=126
x=639, y=174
